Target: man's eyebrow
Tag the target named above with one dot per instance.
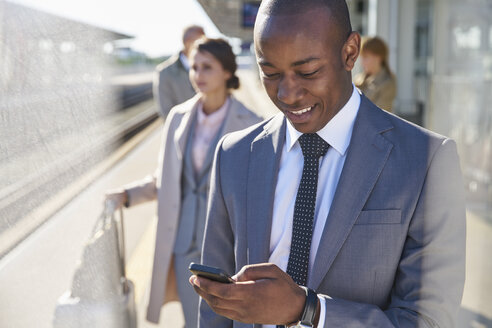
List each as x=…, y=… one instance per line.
x=297, y=63
x=305, y=61
x=265, y=63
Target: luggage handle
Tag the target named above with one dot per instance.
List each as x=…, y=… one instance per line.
x=109, y=210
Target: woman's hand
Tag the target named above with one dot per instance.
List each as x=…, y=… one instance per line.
x=115, y=198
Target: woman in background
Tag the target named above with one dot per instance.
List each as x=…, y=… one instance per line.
x=180, y=185
x=377, y=82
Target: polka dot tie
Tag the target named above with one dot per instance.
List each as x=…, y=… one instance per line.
x=313, y=147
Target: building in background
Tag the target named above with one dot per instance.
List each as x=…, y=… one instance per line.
x=234, y=18
x=45, y=50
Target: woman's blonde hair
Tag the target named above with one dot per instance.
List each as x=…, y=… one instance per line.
x=378, y=47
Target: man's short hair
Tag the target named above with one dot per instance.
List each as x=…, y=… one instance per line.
x=192, y=29
x=337, y=8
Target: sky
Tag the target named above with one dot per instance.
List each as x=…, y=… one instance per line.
x=156, y=24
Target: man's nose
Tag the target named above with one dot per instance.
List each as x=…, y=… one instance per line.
x=289, y=91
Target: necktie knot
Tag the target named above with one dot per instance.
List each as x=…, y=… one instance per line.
x=313, y=145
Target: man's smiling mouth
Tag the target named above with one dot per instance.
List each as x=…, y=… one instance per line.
x=302, y=111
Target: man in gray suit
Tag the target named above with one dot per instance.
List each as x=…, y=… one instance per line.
x=171, y=85
x=334, y=194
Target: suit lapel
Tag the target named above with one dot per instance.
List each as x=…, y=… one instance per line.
x=263, y=166
x=366, y=157
x=188, y=168
x=182, y=132
x=233, y=120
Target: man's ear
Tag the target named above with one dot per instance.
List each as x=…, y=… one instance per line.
x=350, y=51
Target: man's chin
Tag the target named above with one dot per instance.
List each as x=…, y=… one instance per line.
x=305, y=127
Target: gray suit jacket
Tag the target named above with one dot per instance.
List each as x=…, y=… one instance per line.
x=165, y=186
x=392, y=252
x=171, y=85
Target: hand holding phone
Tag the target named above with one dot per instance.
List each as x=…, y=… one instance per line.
x=211, y=273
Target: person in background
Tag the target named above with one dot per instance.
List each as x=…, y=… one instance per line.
x=171, y=85
x=377, y=82
x=180, y=185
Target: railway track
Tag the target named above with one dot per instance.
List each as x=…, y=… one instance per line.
x=21, y=200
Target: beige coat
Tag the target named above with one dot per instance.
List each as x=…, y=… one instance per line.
x=380, y=88
x=165, y=185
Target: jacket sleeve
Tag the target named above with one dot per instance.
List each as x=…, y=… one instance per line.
x=146, y=189
x=218, y=243
x=429, y=283
x=141, y=191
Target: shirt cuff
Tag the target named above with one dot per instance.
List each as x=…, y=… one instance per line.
x=322, y=312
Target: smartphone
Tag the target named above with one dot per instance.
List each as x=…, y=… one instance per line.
x=210, y=273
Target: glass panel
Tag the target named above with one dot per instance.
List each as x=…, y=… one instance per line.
x=460, y=98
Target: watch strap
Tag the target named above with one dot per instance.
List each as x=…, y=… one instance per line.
x=309, y=313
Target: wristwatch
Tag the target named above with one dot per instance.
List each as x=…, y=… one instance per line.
x=309, y=313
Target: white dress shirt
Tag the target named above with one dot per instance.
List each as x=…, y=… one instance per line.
x=337, y=133
x=184, y=60
x=206, y=129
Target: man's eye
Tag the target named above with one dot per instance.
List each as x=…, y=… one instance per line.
x=270, y=76
x=309, y=74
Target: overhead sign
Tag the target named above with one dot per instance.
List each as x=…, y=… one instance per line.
x=250, y=10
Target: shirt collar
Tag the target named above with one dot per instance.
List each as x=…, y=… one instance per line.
x=184, y=61
x=215, y=117
x=338, y=131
